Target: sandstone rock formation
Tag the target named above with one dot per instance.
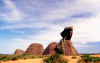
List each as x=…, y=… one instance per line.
x=50, y=48
x=19, y=52
x=35, y=49
x=68, y=48
x=67, y=33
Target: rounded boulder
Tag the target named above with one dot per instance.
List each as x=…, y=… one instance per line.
x=35, y=49
x=50, y=48
x=19, y=52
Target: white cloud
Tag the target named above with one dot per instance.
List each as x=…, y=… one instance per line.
x=81, y=45
x=34, y=14
x=10, y=13
x=87, y=30
x=18, y=31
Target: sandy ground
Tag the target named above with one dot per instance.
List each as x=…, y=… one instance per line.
x=40, y=60
x=37, y=60
x=70, y=60
x=98, y=55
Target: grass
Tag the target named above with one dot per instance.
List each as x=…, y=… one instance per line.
x=87, y=59
x=74, y=57
x=15, y=58
x=55, y=58
x=23, y=56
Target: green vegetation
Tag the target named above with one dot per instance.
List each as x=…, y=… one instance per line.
x=74, y=57
x=87, y=58
x=55, y=58
x=15, y=58
x=60, y=48
x=23, y=56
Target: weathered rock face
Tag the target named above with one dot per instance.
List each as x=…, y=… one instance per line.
x=19, y=52
x=68, y=48
x=67, y=33
x=35, y=49
x=50, y=48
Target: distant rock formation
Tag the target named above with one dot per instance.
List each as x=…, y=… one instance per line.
x=65, y=45
x=50, y=49
x=35, y=49
x=68, y=48
x=19, y=52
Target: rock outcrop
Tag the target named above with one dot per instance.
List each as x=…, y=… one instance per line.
x=35, y=49
x=67, y=33
x=50, y=48
x=68, y=48
x=65, y=45
x=19, y=52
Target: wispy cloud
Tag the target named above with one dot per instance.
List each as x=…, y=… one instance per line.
x=82, y=45
x=50, y=18
x=10, y=13
x=18, y=31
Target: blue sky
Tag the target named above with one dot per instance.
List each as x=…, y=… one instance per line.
x=23, y=22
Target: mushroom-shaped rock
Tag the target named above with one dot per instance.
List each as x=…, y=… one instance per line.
x=68, y=48
x=35, y=49
x=67, y=33
x=19, y=52
x=50, y=48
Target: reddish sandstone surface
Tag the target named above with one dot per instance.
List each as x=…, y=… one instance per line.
x=50, y=48
x=19, y=52
x=68, y=47
x=35, y=49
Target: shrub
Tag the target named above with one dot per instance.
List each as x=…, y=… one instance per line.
x=41, y=57
x=60, y=51
x=32, y=57
x=96, y=59
x=55, y=58
x=60, y=43
x=4, y=57
x=14, y=58
x=25, y=58
x=87, y=58
x=24, y=54
x=74, y=57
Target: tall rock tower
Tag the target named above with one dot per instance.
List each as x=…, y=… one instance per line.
x=68, y=47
